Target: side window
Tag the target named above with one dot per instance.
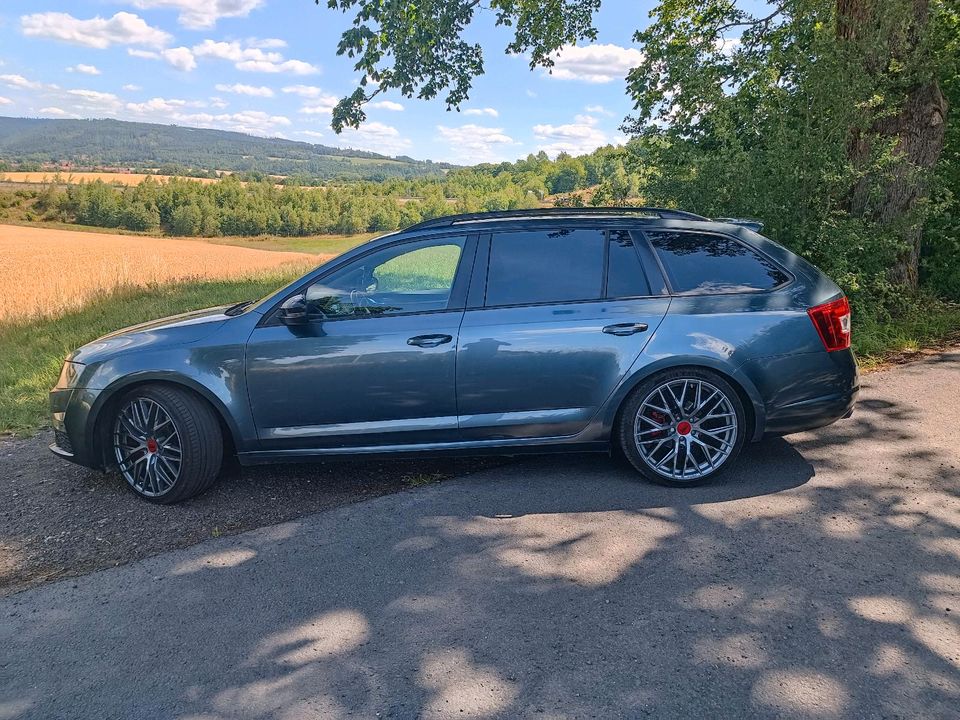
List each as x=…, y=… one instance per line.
x=545, y=266
x=413, y=277
x=625, y=276
x=704, y=263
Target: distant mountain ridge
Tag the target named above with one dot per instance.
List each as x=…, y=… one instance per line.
x=118, y=143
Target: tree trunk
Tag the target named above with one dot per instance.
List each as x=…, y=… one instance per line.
x=915, y=130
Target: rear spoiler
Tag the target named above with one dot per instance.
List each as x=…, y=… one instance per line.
x=749, y=223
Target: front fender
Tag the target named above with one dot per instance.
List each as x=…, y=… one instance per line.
x=214, y=372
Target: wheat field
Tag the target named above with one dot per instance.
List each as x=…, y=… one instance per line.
x=45, y=272
x=74, y=178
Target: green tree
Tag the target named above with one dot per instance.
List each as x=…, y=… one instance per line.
x=720, y=88
x=185, y=220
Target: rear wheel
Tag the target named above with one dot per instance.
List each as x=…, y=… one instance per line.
x=167, y=443
x=683, y=427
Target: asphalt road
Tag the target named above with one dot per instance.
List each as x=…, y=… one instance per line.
x=818, y=580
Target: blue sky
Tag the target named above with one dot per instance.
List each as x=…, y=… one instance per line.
x=269, y=67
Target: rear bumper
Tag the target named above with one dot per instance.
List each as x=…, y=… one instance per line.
x=813, y=413
x=805, y=391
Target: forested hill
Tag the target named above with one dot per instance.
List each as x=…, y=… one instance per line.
x=144, y=145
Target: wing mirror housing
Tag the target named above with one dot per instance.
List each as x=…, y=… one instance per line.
x=293, y=312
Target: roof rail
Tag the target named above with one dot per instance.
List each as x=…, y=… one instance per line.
x=664, y=213
x=749, y=223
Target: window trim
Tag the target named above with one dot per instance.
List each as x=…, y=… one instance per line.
x=791, y=278
x=458, y=290
x=643, y=269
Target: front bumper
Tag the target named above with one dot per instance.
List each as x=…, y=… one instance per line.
x=69, y=410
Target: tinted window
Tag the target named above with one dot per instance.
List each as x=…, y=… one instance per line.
x=545, y=266
x=625, y=277
x=414, y=277
x=702, y=263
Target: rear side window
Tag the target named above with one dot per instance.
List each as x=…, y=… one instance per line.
x=625, y=276
x=545, y=266
x=704, y=263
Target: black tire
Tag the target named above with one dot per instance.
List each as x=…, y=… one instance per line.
x=197, y=432
x=628, y=421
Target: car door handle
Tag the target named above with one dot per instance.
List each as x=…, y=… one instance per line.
x=429, y=341
x=625, y=328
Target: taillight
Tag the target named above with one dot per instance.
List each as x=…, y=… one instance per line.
x=832, y=321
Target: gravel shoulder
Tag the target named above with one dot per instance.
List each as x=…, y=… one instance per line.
x=60, y=520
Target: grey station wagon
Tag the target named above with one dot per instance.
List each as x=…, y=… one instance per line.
x=668, y=336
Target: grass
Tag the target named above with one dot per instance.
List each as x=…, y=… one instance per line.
x=927, y=324
x=313, y=244
x=31, y=354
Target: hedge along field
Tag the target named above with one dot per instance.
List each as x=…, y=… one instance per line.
x=47, y=272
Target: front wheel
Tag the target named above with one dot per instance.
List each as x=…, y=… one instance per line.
x=682, y=427
x=167, y=443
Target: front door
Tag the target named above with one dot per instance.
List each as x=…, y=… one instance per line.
x=564, y=315
x=375, y=363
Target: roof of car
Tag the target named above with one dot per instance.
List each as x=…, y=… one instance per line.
x=555, y=213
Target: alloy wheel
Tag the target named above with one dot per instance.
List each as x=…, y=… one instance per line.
x=147, y=447
x=685, y=429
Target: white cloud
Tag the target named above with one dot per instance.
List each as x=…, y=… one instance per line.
x=266, y=43
x=492, y=112
x=727, y=46
x=19, y=81
x=252, y=59
x=254, y=122
x=56, y=112
x=598, y=110
x=321, y=103
x=132, y=88
x=122, y=29
x=376, y=136
x=594, y=63
x=5, y=101
x=181, y=58
x=197, y=14
x=84, y=69
x=241, y=89
x=387, y=105
x=531, y=94
x=475, y=143
x=311, y=133
x=296, y=67
x=218, y=102
x=579, y=137
x=156, y=105
x=95, y=100
x=307, y=91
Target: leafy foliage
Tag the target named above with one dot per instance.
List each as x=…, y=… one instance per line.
x=418, y=48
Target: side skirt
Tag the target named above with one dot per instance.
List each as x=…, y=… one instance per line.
x=455, y=449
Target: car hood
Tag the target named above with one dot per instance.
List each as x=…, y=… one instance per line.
x=175, y=330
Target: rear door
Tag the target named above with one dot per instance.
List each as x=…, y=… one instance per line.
x=555, y=319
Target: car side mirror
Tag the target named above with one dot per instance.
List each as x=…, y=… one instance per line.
x=293, y=312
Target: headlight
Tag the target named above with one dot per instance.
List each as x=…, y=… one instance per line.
x=69, y=375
